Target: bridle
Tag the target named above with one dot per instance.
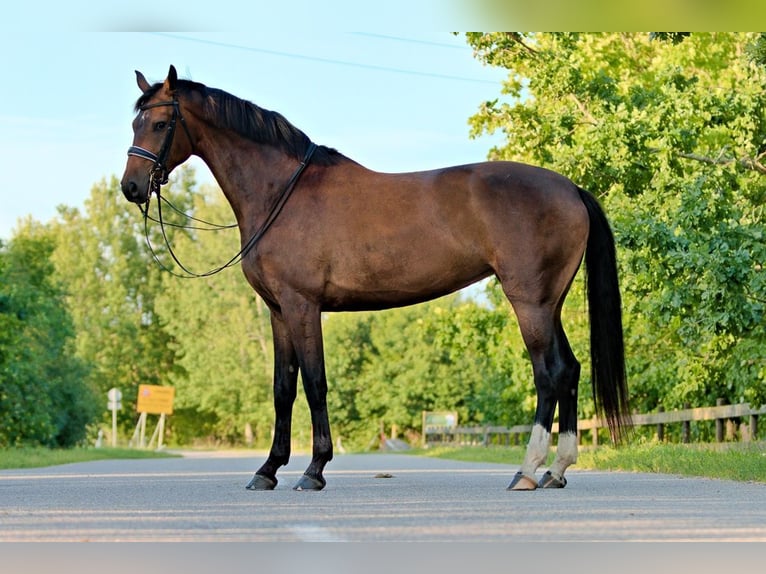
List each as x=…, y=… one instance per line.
x=159, y=176
x=159, y=173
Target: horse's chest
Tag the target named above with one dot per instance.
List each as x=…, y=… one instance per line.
x=260, y=281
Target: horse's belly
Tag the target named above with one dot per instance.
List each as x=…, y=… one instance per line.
x=379, y=282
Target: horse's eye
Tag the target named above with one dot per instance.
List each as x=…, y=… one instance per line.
x=159, y=126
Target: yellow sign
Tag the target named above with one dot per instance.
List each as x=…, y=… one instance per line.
x=155, y=400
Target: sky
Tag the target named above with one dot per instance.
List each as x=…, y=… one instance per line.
x=393, y=101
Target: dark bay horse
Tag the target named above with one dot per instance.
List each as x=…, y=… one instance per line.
x=322, y=233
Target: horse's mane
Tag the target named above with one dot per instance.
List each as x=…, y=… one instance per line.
x=250, y=121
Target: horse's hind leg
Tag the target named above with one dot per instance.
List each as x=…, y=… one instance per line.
x=556, y=374
x=566, y=452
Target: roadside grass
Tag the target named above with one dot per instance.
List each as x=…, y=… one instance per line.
x=35, y=457
x=731, y=461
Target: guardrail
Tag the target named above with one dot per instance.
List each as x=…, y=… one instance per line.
x=724, y=416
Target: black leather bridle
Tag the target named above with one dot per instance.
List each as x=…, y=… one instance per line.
x=159, y=173
x=159, y=176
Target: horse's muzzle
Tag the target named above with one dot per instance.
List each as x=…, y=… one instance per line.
x=133, y=191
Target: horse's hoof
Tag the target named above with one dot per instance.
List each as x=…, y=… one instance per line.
x=261, y=482
x=550, y=481
x=522, y=482
x=308, y=483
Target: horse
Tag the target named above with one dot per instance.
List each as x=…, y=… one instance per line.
x=322, y=233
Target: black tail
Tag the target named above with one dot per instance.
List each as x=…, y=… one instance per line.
x=607, y=352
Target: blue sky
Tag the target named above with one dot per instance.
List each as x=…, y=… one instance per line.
x=394, y=101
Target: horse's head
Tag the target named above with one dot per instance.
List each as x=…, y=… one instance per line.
x=155, y=151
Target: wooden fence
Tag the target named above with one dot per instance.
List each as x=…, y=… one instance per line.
x=727, y=419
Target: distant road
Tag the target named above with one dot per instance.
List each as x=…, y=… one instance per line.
x=202, y=498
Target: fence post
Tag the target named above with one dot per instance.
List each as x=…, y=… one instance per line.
x=719, y=423
x=686, y=428
x=753, y=427
x=660, y=426
x=594, y=430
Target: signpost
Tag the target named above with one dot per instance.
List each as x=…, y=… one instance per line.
x=154, y=400
x=438, y=420
x=114, y=404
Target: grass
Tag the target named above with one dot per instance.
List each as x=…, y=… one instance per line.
x=29, y=457
x=742, y=462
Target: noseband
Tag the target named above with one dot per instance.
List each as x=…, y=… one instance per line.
x=159, y=173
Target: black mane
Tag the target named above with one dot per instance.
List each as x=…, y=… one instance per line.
x=250, y=121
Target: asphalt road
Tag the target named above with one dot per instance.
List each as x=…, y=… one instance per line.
x=368, y=498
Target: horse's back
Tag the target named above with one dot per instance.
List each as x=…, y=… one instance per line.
x=512, y=183
x=500, y=187
x=514, y=206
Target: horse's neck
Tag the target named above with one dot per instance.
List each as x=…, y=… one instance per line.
x=250, y=175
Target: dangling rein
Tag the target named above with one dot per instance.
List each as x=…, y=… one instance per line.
x=159, y=177
x=274, y=211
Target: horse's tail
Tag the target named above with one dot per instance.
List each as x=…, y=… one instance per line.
x=607, y=351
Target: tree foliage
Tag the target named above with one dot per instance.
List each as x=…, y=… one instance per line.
x=670, y=133
x=45, y=398
x=111, y=289
x=455, y=353
x=223, y=333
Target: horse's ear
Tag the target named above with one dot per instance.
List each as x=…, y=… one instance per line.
x=172, y=79
x=141, y=81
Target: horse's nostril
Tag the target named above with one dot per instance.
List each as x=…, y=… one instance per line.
x=130, y=189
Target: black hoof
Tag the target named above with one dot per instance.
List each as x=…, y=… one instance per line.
x=522, y=482
x=261, y=482
x=308, y=483
x=550, y=481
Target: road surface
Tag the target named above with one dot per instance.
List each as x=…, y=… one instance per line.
x=368, y=498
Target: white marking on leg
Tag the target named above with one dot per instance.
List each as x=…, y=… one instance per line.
x=566, y=454
x=537, y=450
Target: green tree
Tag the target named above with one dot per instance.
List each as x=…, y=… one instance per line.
x=111, y=287
x=223, y=331
x=45, y=398
x=386, y=367
x=671, y=136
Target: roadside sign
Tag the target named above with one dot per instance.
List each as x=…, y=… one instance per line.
x=439, y=419
x=439, y=422
x=114, y=404
x=155, y=400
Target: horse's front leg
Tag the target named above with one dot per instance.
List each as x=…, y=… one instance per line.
x=305, y=326
x=285, y=386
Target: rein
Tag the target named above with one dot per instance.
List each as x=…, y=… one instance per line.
x=274, y=211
